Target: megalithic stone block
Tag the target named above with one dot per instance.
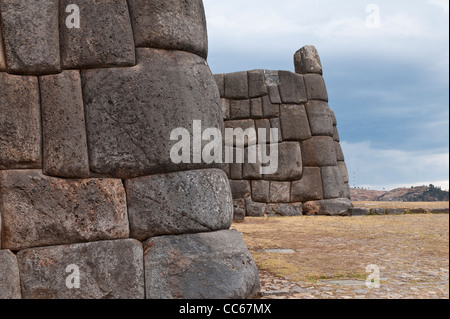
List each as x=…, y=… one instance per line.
x=257, y=108
x=294, y=123
x=339, y=152
x=307, y=60
x=256, y=84
x=220, y=81
x=31, y=36
x=38, y=210
x=290, y=163
x=292, y=88
x=280, y=192
x=9, y=276
x=261, y=191
x=344, y=171
x=213, y=265
x=132, y=112
x=236, y=86
x=64, y=128
x=170, y=24
x=319, y=151
x=309, y=188
x=320, y=118
x=20, y=122
x=99, y=270
x=240, y=109
x=179, y=203
x=104, y=38
x=285, y=210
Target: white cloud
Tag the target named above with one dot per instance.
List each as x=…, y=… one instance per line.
x=444, y=4
x=380, y=168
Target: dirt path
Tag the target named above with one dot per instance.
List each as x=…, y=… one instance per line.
x=326, y=257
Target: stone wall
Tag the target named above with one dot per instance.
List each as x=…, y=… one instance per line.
x=91, y=205
x=312, y=177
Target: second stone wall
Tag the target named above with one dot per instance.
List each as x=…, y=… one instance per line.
x=312, y=176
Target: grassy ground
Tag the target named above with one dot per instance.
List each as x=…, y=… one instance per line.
x=406, y=205
x=341, y=248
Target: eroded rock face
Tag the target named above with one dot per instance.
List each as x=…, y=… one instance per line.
x=106, y=270
x=38, y=210
x=213, y=265
x=9, y=276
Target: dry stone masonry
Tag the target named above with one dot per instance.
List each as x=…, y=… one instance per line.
x=91, y=205
x=312, y=177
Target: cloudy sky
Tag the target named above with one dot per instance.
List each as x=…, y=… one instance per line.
x=387, y=78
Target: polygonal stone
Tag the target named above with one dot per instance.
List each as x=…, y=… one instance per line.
x=274, y=94
x=246, y=126
x=347, y=191
x=170, y=24
x=339, y=153
x=276, y=124
x=236, y=171
x=239, y=109
x=315, y=87
x=261, y=191
x=292, y=88
x=2, y=53
x=336, y=136
x=104, y=39
x=106, y=270
x=344, y=172
x=20, y=122
x=179, y=203
x=257, y=108
x=333, y=185
x=236, y=86
x=255, y=209
x=214, y=265
x=328, y=207
x=30, y=35
x=307, y=60
x=131, y=112
x=240, y=189
x=256, y=84
x=290, y=164
x=294, y=123
x=65, y=151
x=38, y=210
x=270, y=109
x=309, y=187
x=320, y=118
x=9, y=276
x=319, y=151
x=263, y=125
x=285, y=210
x=280, y=192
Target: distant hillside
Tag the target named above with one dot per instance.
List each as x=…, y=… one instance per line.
x=414, y=194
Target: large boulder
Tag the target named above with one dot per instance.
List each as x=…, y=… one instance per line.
x=179, y=203
x=214, y=265
x=100, y=270
x=38, y=210
x=328, y=207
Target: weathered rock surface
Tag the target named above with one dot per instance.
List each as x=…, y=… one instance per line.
x=315, y=87
x=285, y=210
x=9, y=276
x=319, y=151
x=309, y=188
x=214, y=265
x=255, y=209
x=290, y=164
x=170, y=24
x=240, y=109
x=2, y=53
x=107, y=270
x=104, y=39
x=30, y=35
x=179, y=203
x=236, y=86
x=307, y=60
x=261, y=191
x=328, y=207
x=320, y=118
x=65, y=151
x=333, y=185
x=131, y=112
x=38, y=210
x=359, y=212
x=292, y=88
x=256, y=84
x=294, y=123
x=240, y=189
x=280, y=192
x=20, y=122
